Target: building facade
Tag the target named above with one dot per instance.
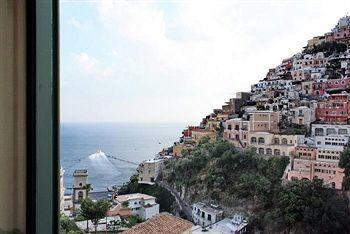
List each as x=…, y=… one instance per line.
x=80, y=188
x=204, y=215
x=141, y=205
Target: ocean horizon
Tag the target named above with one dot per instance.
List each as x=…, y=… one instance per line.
x=130, y=141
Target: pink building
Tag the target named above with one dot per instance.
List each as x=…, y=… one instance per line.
x=342, y=34
x=310, y=162
x=236, y=131
x=334, y=110
x=338, y=84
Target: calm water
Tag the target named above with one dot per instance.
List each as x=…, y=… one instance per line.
x=131, y=141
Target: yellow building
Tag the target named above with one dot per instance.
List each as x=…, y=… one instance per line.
x=149, y=170
x=263, y=121
x=198, y=134
x=315, y=41
x=178, y=147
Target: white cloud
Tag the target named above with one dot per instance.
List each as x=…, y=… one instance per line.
x=185, y=59
x=115, y=52
x=91, y=66
x=75, y=23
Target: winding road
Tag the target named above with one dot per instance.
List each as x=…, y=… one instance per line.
x=182, y=204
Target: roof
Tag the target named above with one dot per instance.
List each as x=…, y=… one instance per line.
x=127, y=197
x=153, y=160
x=207, y=209
x=160, y=224
x=202, y=130
x=223, y=226
x=119, y=210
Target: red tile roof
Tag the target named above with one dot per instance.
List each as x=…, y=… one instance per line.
x=160, y=224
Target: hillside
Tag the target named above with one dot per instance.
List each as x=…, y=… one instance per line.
x=242, y=181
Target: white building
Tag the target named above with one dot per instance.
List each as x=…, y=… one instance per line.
x=61, y=190
x=333, y=142
x=141, y=205
x=204, y=215
x=330, y=129
x=302, y=115
x=237, y=225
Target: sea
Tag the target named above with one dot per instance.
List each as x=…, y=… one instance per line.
x=131, y=142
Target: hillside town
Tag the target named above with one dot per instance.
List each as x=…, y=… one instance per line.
x=300, y=109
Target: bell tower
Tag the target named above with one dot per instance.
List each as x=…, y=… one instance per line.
x=80, y=187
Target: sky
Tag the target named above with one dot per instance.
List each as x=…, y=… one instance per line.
x=176, y=61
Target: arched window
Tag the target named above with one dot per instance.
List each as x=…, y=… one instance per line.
x=261, y=140
x=277, y=152
x=284, y=141
x=261, y=151
x=330, y=131
x=253, y=140
x=269, y=151
x=80, y=195
x=276, y=141
x=319, y=131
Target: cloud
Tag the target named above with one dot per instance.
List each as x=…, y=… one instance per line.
x=75, y=23
x=179, y=60
x=91, y=66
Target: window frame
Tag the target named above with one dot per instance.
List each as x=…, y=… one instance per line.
x=42, y=205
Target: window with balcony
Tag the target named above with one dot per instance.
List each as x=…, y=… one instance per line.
x=319, y=132
x=330, y=131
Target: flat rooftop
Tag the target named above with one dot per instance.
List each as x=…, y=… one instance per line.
x=127, y=197
x=207, y=208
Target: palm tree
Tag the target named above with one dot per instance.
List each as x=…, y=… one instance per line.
x=88, y=188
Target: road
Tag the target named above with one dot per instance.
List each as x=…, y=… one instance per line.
x=182, y=204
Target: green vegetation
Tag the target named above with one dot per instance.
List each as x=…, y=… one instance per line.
x=163, y=197
x=328, y=48
x=344, y=162
x=68, y=226
x=131, y=221
x=225, y=174
x=94, y=211
x=219, y=173
x=288, y=128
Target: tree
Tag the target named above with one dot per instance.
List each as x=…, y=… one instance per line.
x=88, y=188
x=68, y=226
x=309, y=206
x=344, y=161
x=125, y=204
x=94, y=211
